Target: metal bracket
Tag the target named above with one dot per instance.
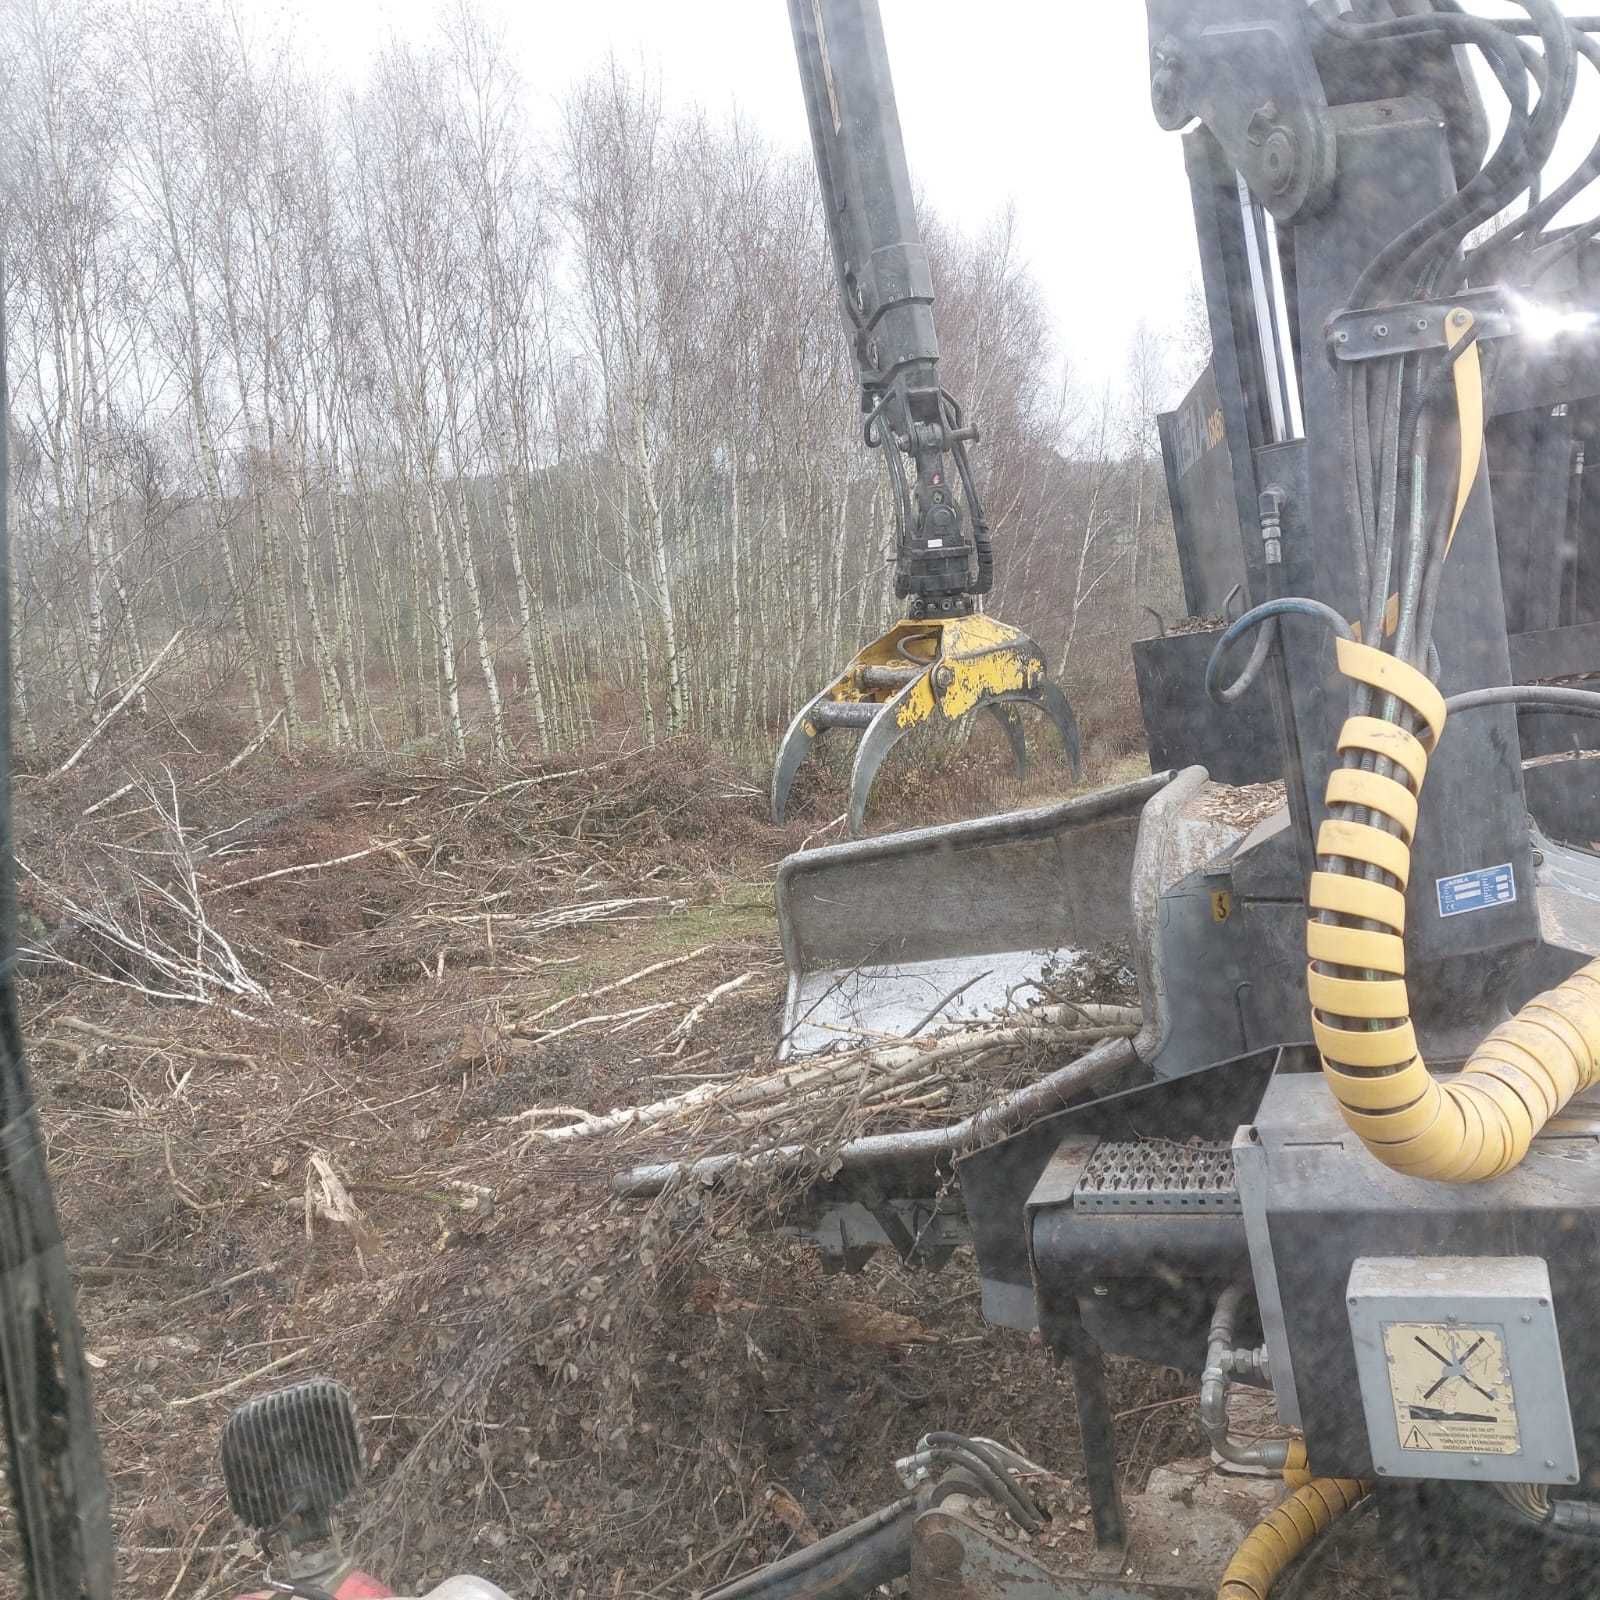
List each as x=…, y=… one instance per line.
x=1417, y=325
x=1279, y=134
x=1069, y=1343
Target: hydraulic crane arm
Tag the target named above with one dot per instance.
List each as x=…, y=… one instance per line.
x=943, y=661
x=886, y=293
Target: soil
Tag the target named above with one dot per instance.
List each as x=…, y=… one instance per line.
x=286, y=1024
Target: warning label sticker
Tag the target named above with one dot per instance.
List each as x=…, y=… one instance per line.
x=1451, y=1387
x=1477, y=891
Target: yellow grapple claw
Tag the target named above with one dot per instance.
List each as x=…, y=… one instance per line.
x=918, y=673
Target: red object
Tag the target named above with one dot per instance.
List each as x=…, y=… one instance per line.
x=363, y=1586
x=358, y=1586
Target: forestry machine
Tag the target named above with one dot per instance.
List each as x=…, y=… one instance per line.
x=1346, y=1173
x=1350, y=1160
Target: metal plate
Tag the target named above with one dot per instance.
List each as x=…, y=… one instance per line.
x=1459, y=1362
x=1157, y=1175
x=925, y=927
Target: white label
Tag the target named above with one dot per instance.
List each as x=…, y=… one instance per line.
x=1476, y=891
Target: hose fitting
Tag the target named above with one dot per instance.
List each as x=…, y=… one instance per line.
x=1287, y=1456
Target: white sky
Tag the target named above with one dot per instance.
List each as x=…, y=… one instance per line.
x=999, y=101
x=1041, y=102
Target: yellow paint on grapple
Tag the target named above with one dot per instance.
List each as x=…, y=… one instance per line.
x=922, y=673
x=965, y=660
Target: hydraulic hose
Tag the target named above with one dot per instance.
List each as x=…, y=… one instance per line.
x=1479, y=1123
x=847, y=1565
x=1285, y=1533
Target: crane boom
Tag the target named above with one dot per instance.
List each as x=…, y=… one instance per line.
x=886, y=294
x=943, y=662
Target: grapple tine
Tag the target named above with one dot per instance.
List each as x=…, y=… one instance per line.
x=1009, y=718
x=803, y=733
x=886, y=731
x=1055, y=705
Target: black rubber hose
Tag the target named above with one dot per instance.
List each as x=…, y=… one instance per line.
x=1516, y=163
x=1517, y=26
x=1534, y=696
x=1507, y=171
x=993, y=1483
x=1528, y=225
x=850, y=1563
x=1289, y=606
x=991, y=1472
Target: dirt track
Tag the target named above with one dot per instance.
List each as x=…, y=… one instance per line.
x=557, y=1390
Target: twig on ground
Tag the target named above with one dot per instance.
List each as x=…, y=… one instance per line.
x=244, y=755
x=237, y=1384
x=391, y=845
x=217, y=1288
x=195, y=962
x=135, y=1041
x=611, y=988
x=116, y=794
x=685, y=1029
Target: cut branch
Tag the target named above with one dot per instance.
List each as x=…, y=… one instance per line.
x=111, y=716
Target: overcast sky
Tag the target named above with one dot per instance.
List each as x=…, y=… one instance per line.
x=1010, y=100
x=1041, y=102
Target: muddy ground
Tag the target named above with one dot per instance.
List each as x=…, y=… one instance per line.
x=287, y=1020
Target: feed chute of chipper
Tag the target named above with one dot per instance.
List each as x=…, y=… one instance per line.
x=952, y=922
x=946, y=660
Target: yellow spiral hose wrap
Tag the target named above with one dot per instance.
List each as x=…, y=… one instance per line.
x=1480, y=1122
x=1285, y=1532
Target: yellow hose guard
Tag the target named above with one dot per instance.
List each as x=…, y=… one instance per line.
x=1480, y=1122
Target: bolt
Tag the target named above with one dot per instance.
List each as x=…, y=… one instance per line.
x=1280, y=155
x=1383, y=1469
x=1422, y=324
x=942, y=1554
x=1341, y=338
x=1550, y=1466
x=1527, y=1316
x=1476, y=1461
x=1382, y=330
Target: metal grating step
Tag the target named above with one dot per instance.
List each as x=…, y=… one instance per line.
x=1154, y=1175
